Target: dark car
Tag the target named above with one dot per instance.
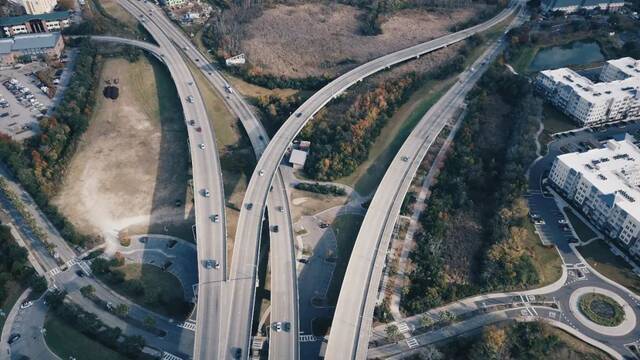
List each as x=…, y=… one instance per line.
x=303, y=261
x=275, y=228
x=249, y=206
x=324, y=226
x=80, y=273
x=13, y=338
x=237, y=353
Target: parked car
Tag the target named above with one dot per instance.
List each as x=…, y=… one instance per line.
x=211, y=264
x=26, y=304
x=13, y=338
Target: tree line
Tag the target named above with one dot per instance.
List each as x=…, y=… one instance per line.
x=90, y=325
x=15, y=266
x=483, y=176
x=40, y=162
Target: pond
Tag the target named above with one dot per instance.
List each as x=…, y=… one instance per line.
x=575, y=53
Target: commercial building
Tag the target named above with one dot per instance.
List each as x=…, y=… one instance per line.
x=615, y=98
x=34, y=7
x=47, y=44
x=298, y=158
x=570, y=6
x=604, y=184
x=29, y=24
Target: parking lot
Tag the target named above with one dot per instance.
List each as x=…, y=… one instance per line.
x=23, y=100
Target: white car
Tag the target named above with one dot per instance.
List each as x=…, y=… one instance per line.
x=190, y=99
x=563, y=222
x=261, y=173
x=202, y=146
x=278, y=326
x=26, y=304
x=206, y=193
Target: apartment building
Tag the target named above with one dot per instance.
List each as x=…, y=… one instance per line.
x=571, y=6
x=605, y=184
x=35, y=7
x=172, y=3
x=616, y=97
x=29, y=24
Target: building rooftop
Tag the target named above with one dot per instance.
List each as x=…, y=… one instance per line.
x=595, y=92
x=29, y=41
x=628, y=65
x=19, y=20
x=298, y=157
x=614, y=170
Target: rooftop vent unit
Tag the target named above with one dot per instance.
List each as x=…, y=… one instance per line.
x=626, y=196
x=602, y=177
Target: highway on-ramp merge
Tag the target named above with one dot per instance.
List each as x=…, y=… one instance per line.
x=208, y=193
x=351, y=326
x=240, y=295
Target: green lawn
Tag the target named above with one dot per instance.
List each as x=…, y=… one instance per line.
x=66, y=342
x=555, y=121
x=583, y=231
x=524, y=58
x=346, y=228
x=162, y=291
x=599, y=256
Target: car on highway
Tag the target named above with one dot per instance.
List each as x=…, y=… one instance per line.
x=211, y=264
x=278, y=326
x=80, y=273
x=26, y=304
x=192, y=122
x=214, y=218
x=202, y=146
x=261, y=173
x=280, y=209
x=190, y=99
x=237, y=353
x=562, y=221
x=228, y=88
x=405, y=158
x=275, y=228
x=206, y=193
x=303, y=261
x=298, y=114
x=13, y=338
x=198, y=129
x=323, y=225
x=249, y=206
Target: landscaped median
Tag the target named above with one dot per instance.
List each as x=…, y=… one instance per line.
x=601, y=309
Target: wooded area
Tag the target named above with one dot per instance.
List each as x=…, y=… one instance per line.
x=482, y=179
x=14, y=265
x=40, y=162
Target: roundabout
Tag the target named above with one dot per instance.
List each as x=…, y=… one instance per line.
x=602, y=311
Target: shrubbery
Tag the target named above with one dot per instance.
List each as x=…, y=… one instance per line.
x=321, y=189
x=14, y=265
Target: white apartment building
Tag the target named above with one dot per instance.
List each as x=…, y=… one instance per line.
x=605, y=184
x=35, y=7
x=615, y=98
x=570, y=6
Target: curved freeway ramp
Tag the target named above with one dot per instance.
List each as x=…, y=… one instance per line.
x=351, y=327
x=240, y=295
x=207, y=180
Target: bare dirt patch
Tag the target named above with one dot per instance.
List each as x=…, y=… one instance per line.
x=132, y=164
x=323, y=39
x=305, y=203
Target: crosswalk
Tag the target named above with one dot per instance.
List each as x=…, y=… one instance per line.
x=403, y=327
x=307, y=338
x=189, y=325
x=257, y=343
x=412, y=342
x=75, y=261
x=169, y=356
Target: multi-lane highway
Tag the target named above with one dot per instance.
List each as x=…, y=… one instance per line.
x=207, y=187
x=241, y=293
x=353, y=317
x=283, y=275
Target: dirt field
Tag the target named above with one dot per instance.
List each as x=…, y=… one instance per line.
x=317, y=39
x=132, y=164
x=304, y=203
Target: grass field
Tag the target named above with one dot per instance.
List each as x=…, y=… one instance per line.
x=58, y=338
x=599, y=256
x=582, y=230
x=521, y=63
x=346, y=229
x=367, y=176
x=545, y=258
x=157, y=284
